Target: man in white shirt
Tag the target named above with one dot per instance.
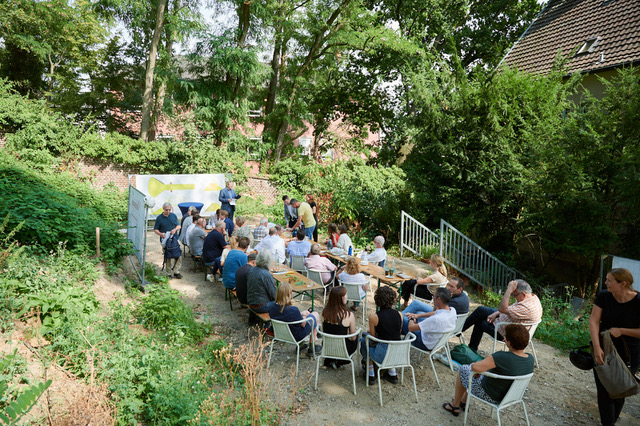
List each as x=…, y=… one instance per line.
x=379, y=254
x=432, y=328
x=274, y=243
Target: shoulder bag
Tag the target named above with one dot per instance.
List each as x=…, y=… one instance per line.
x=614, y=373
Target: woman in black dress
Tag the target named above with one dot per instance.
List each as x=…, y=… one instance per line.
x=616, y=309
x=338, y=320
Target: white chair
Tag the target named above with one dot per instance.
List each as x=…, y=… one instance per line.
x=353, y=295
x=443, y=342
x=460, y=319
x=335, y=347
x=317, y=277
x=282, y=333
x=431, y=287
x=532, y=330
x=398, y=356
x=513, y=396
x=297, y=264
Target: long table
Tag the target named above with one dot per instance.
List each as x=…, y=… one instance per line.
x=298, y=282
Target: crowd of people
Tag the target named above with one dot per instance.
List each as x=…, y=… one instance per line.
x=243, y=258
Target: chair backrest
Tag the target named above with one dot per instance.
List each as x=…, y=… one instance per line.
x=517, y=388
x=460, y=319
x=531, y=327
x=316, y=276
x=334, y=346
x=398, y=351
x=297, y=263
x=353, y=290
x=282, y=331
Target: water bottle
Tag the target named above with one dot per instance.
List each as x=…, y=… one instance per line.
x=393, y=267
x=350, y=251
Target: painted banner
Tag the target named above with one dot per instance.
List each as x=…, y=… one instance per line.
x=177, y=189
x=632, y=266
x=137, y=222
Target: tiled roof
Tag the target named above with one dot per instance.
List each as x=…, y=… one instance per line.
x=565, y=25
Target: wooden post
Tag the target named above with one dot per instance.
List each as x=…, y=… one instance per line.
x=98, y=242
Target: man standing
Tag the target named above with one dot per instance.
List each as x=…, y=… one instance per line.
x=167, y=224
x=431, y=329
x=305, y=215
x=241, y=277
x=526, y=310
x=299, y=246
x=227, y=198
x=197, y=236
x=213, y=246
x=419, y=310
x=379, y=254
x=235, y=259
x=290, y=213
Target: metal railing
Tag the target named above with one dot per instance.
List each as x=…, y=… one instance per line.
x=414, y=235
x=459, y=252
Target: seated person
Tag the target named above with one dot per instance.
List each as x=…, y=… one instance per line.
x=299, y=246
x=385, y=325
x=344, y=242
x=274, y=243
x=189, y=230
x=283, y=310
x=515, y=362
x=429, y=331
x=318, y=263
x=333, y=237
x=261, y=287
x=229, y=225
x=350, y=274
x=438, y=277
x=261, y=230
x=214, y=245
x=196, y=237
x=235, y=259
x=242, y=230
x=421, y=310
x=337, y=320
x=187, y=220
x=378, y=255
x=241, y=277
x=527, y=309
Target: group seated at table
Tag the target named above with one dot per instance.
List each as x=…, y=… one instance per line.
x=514, y=362
x=318, y=263
x=350, y=274
x=339, y=321
x=438, y=277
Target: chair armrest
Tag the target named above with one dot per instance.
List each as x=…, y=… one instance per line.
x=501, y=376
x=303, y=320
x=345, y=336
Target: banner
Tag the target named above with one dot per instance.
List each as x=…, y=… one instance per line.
x=137, y=222
x=177, y=189
x=632, y=266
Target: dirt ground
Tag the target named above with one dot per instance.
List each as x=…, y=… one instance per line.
x=558, y=394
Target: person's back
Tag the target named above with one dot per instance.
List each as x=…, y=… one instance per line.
x=260, y=287
x=213, y=246
x=460, y=303
x=389, y=324
x=507, y=364
x=241, y=282
x=196, y=240
x=235, y=259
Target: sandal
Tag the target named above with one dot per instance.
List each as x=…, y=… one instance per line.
x=450, y=408
x=463, y=406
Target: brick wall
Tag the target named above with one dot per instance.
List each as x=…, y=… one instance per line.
x=103, y=173
x=260, y=186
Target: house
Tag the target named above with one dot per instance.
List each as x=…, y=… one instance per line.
x=595, y=36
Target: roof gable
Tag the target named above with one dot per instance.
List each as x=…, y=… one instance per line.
x=565, y=25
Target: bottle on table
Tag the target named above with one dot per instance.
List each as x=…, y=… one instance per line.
x=393, y=267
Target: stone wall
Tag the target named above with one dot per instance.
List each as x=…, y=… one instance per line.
x=260, y=186
x=103, y=173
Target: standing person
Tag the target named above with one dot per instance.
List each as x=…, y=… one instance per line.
x=314, y=208
x=235, y=259
x=438, y=277
x=616, y=309
x=385, y=325
x=227, y=198
x=337, y=320
x=305, y=216
x=290, y=213
x=283, y=310
x=167, y=224
x=344, y=242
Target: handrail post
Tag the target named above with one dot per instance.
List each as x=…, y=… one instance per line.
x=402, y=218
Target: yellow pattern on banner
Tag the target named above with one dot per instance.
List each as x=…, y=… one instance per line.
x=213, y=187
x=212, y=208
x=156, y=187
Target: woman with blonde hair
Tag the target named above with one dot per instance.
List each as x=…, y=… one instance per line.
x=616, y=309
x=283, y=310
x=337, y=320
x=438, y=277
x=350, y=274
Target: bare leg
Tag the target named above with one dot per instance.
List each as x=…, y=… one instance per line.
x=461, y=393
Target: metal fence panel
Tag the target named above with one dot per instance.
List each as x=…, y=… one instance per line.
x=414, y=235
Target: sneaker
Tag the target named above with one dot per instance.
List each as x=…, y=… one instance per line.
x=178, y=276
x=220, y=278
x=389, y=378
x=210, y=278
x=334, y=365
x=318, y=350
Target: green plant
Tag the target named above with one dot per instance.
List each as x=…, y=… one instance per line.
x=429, y=250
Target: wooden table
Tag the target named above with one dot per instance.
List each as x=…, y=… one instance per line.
x=301, y=285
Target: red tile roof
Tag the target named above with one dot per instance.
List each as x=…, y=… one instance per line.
x=563, y=26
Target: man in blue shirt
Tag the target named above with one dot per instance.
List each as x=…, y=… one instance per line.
x=300, y=246
x=235, y=259
x=167, y=223
x=229, y=225
x=227, y=198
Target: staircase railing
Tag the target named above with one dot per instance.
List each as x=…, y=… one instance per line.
x=414, y=235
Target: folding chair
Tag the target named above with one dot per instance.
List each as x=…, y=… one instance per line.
x=397, y=356
x=297, y=264
x=317, y=277
x=432, y=289
x=457, y=332
x=443, y=342
x=335, y=347
x=530, y=326
x=513, y=396
x=282, y=333
x=353, y=295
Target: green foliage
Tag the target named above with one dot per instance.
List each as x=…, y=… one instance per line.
x=164, y=311
x=560, y=326
x=427, y=251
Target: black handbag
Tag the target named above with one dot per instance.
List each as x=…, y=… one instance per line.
x=614, y=373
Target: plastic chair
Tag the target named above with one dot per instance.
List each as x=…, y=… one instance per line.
x=443, y=342
x=460, y=319
x=317, y=277
x=513, y=396
x=532, y=330
x=353, y=295
x=335, y=347
x=297, y=264
x=282, y=333
x=398, y=356
x=430, y=287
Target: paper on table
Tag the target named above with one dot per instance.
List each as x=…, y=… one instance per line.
x=402, y=275
x=280, y=273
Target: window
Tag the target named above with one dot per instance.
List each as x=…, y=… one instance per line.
x=589, y=46
x=305, y=143
x=254, y=113
x=255, y=148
